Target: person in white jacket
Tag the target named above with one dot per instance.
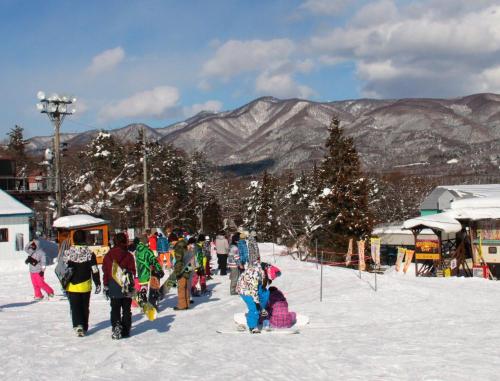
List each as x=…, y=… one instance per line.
x=222, y=249
x=37, y=262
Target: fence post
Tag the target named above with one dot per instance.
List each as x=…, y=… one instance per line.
x=375, y=280
x=274, y=256
x=321, y=280
x=317, y=259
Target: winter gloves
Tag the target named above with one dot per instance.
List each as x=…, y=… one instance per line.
x=31, y=261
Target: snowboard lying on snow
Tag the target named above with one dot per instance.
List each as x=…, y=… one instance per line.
x=241, y=323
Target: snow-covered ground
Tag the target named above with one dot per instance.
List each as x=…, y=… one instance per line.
x=411, y=329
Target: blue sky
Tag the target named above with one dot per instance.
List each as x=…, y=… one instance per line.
x=159, y=62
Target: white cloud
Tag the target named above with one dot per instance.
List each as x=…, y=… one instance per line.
x=235, y=57
x=281, y=85
x=106, y=61
x=151, y=103
x=325, y=7
x=399, y=51
x=211, y=105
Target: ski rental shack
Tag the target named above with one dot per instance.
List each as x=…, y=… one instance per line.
x=96, y=232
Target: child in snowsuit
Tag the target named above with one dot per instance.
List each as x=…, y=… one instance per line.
x=234, y=264
x=254, y=295
x=84, y=266
x=279, y=316
x=37, y=262
x=118, y=269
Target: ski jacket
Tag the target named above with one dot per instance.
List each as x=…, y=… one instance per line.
x=243, y=249
x=83, y=263
x=207, y=249
x=38, y=256
x=253, y=251
x=179, y=253
x=233, y=259
x=249, y=282
x=199, y=256
x=116, y=257
x=145, y=259
x=221, y=245
x=162, y=245
x=277, y=307
x=152, y=242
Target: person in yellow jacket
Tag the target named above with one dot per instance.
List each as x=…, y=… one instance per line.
x=83, y=265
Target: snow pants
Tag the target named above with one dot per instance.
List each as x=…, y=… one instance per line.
x=79, y=304
x=182, y=294
x=39, y=284
x=121, y=314
x=202, y=279
x=253, y=313
x=234, y=273
x=222, y=262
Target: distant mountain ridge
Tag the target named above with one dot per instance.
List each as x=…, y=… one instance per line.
x=289, y=134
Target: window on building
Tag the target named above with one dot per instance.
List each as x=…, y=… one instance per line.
x=4, y=235
x=492, y=249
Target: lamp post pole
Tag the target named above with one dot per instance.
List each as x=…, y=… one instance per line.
x=145, y=180
x=56, y=107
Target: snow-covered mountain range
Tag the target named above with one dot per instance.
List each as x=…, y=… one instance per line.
x=410, y=135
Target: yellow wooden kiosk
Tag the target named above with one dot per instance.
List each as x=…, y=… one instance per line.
x=96, y=232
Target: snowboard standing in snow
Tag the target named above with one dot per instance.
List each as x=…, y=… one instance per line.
x=154, y=288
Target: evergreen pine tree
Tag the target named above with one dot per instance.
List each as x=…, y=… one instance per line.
x=16, y=141
x=267, y=218
x=344, y=197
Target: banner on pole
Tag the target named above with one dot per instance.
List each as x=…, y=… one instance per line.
x=399, y=259
x=361, y=254
x=349, y=253
x=375, y=250
x=408, y=259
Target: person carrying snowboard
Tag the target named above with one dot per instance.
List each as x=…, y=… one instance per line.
x=118, y=269
x=83, y=264
x=37, y=261
x=251, y=290
x=147, y=266
x=182, y=276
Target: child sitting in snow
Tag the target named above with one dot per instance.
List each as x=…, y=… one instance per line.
x=277, y=307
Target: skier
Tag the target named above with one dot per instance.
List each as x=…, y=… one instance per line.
x=254, y=295
x=37, y=261
x=243, y=249
x=83, y=263
x=147, y=266
x=118, y=269
x=181, y=275
x=222, y=248
x=163, y=247
x=199, y=268
x=253, y=248
x=234, y=264
x=207, y=253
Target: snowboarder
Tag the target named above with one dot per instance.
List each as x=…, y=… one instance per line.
x=222, y=248
x=234, y=264
x=199, y=269
x=37, y=261
x=279, y=316
x=147, y=267
x=207, y=253
x=118, y=269
x=243, y=249
x=253, y=249
x=254, y=295
x=84, y=268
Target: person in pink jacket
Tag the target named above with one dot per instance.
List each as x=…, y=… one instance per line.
x=37, y=262
x=279, y=316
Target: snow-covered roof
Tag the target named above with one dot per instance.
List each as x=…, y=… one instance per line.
x=78, y=221
x=10, y=206
x=441, y=221
x=458, y=192
x=397, y=229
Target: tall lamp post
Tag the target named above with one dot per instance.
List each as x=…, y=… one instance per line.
x=56, y=107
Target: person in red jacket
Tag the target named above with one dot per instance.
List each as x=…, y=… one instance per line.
x=118, y=269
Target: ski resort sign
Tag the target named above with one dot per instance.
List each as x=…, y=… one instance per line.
x=427, y=250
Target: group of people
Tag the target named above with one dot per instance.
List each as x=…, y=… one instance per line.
x=130, y=269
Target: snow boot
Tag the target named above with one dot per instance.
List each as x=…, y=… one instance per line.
x=254, y=330
x=117, y=332
x=79, y=331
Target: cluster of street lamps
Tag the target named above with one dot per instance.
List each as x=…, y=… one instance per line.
x=57, y=108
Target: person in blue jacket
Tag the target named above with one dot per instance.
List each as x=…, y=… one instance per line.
x=243, y=249
x=162, y=247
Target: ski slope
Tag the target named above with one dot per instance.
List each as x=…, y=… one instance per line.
x=411, y=329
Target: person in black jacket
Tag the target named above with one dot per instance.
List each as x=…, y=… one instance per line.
x=83, y=263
